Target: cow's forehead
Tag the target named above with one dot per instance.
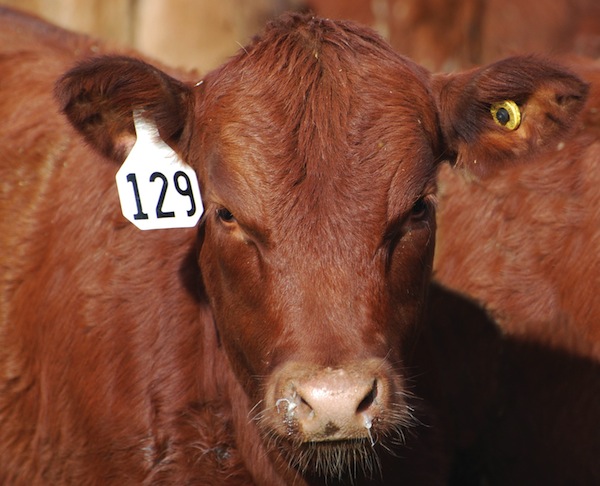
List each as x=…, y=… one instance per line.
x=317, y=112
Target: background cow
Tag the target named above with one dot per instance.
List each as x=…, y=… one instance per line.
x=534, y=263
x=274, y=342
x=522, y=244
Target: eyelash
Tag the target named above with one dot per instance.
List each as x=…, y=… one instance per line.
x=225, y=215
x=420, y=209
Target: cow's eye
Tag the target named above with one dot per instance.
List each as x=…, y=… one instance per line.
x=420, y=209
x=225, y=215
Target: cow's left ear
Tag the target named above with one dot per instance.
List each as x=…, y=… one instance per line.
x=100, y=95
x=507, y=111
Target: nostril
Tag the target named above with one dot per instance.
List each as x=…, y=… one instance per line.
x=369, y=399
x=306, y=408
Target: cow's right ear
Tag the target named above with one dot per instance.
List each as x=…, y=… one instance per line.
x=100, y=95
x=506, y=112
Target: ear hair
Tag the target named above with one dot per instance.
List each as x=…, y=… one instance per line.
x=548, y=98
x=99, y=96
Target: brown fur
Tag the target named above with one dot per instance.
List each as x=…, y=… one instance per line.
x=533, y=264
x=523, y=244
x=129, y=356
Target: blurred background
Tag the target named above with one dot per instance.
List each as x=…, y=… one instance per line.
x=443, y=35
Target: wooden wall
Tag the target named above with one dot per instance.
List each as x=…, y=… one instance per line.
x=440, y=34
x=184, y=33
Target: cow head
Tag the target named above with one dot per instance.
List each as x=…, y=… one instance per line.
x=316, y=149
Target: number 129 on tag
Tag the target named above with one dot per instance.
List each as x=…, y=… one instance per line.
x=159, y=176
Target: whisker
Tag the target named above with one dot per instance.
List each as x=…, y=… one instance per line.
x=254, y=408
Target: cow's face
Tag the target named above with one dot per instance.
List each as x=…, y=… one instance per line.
x=316, y=150
x=317, y=169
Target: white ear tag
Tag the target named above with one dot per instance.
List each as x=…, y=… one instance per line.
x=156, y=188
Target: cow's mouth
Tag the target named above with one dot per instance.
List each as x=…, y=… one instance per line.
x=334, y=423
x=349, y=460
x=333, y=460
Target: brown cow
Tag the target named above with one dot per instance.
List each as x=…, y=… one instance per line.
x=535, y=264
x=271, y=343
x=525, y=245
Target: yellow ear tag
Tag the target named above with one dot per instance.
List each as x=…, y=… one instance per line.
x=506, y=114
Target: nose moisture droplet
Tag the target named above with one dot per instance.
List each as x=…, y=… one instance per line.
x=368, y=424
x=290, y=406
